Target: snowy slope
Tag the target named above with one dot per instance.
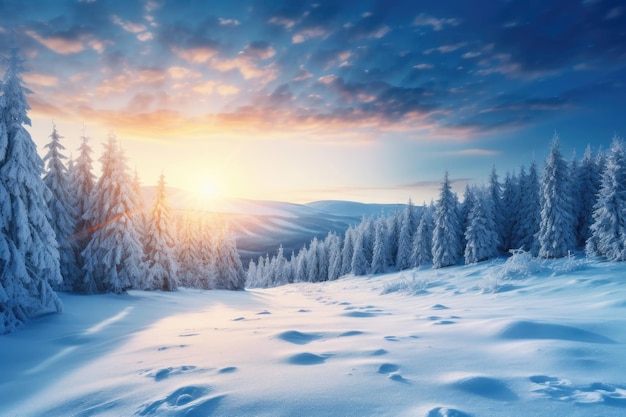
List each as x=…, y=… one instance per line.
x=486, y=340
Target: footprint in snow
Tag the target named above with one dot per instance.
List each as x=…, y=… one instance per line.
x=298, y=338
x=306, y=358
x=188, y=400
x=264, y=312
x=563, y=390
x=446, y=412
x=486, y=387
x=392, y=372
x=165, y=373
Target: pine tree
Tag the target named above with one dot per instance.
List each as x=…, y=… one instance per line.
x=280, y=268
x=446, y=249
x=557, y=229
x=29, y=256
x=161, y=267
x=113, y=257
x=510, y=203
x=229, y=271
x=380, y=259
x=83, y=183
x=61, y=204
x=405, y=239
x=333, y=242
x=251, y=279
x=423, y=241
x=608, y=231
x=347, y=251
x=528, y=213
x=360, y=260
x=589, y=179
x=495, y=192
x=481, y=235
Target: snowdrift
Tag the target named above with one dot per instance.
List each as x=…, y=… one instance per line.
x=490, y=339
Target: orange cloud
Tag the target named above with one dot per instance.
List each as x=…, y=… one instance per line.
x=199, y=55
x=57, y=44
x=178, y=73
x=41, y=79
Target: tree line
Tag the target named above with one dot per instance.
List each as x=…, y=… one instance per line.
x=576, y=205
x=63, y=229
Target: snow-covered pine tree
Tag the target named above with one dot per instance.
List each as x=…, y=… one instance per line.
x=360, y=261
x=380, y=258
x=229, y=273
x=333, y=243
x=279, y=267
x=61, y=204
x=495, y=191
x=528, y=214
x=312, y=262
x=114, y=256
x=251, y=275
x=446, y=249
x=393, y=230
x=347, y=251
x=558, y=222
x=423, y=240
x=83, y=183
x=589, y=178
x=408, y=227
x=465, y=207
x=186, y=256
x=301, y=266
x=322, y=261
x=510, y=203
x=29, y=256
x=608, y=231
x=481, y=236
x=161, y=267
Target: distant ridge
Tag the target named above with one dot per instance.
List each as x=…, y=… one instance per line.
x=261, y=226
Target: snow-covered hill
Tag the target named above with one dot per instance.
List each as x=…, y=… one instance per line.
x=522, y=338
x=262, y=226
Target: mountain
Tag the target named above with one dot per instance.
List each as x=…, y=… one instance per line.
x=261, y=226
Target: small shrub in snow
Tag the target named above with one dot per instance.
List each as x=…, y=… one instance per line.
x=411, y=286
x=521, y=264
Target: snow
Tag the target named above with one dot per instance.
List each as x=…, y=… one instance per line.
x=525, y=337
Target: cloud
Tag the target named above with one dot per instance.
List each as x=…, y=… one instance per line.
x=128, y=26
x=178, y=73
x=229, y=22
x=43, y=80
x=58, y=44
x=306, y=34
x=445, y=49
x=436, y=24
x=227, y=90
x=146, y=36
x=206, y=87
x=302, y=74
x=476, y=152
x=285, y=22
x=197, y=55
x=247, y=62
x=423, y=66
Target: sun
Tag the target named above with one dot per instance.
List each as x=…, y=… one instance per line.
x=209, y=189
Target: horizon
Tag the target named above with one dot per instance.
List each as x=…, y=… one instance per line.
x=308, y=101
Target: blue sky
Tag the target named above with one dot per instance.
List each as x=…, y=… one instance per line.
x=302, y=101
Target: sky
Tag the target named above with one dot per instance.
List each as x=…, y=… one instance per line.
x=311, y=100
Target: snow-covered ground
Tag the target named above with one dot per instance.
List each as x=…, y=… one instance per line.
x=493, y=339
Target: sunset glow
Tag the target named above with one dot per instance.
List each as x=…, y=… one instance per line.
x=309, y=100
